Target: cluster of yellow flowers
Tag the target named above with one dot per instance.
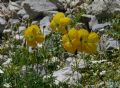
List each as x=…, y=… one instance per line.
x=59, y=23
x=33, y=35
x=73, y=40
x=80, y=40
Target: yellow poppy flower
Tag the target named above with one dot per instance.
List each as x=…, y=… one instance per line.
x=88, y=41
x=80, y=40
x=68, y=41
x=33, y=35
x=59, y=23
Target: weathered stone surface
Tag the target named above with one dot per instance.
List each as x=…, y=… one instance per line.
x=98, y=27
x=72, y=62
x=21, y=13
x=13, y=6
x=108, y=43
x=2, y=21
x=4, y=0
x=112, y=44
x=35, y=8
x=98, y=6
x=26, y=16
x=49, y=13
x=13, y=21
x=89, y=21
x=58, y=4
x=66, y=75
x=103, y=8
x=44, y=25
x=71, y=3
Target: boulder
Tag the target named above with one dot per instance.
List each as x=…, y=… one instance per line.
x=103, y=8
x=36, y=8
x=67, y=75
x=103, y=5
x=91, y=23
x=58, y=4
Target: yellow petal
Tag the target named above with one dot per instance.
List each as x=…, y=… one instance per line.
x=76, y=43
x=65, y=38
x=82, y=47
x=91, y=48
x=35, y=29
x=40, y=38
x=31, y=31
x=73, y=33
x=65, y=21
x=83, y=34
x=69, y=48
x=57, y=17
x=53, y=25
x=26, y=33
x=93, y=37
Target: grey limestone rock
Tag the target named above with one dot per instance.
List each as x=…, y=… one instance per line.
x=36, y=8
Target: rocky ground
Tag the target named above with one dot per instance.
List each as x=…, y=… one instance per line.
x=14, y=12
